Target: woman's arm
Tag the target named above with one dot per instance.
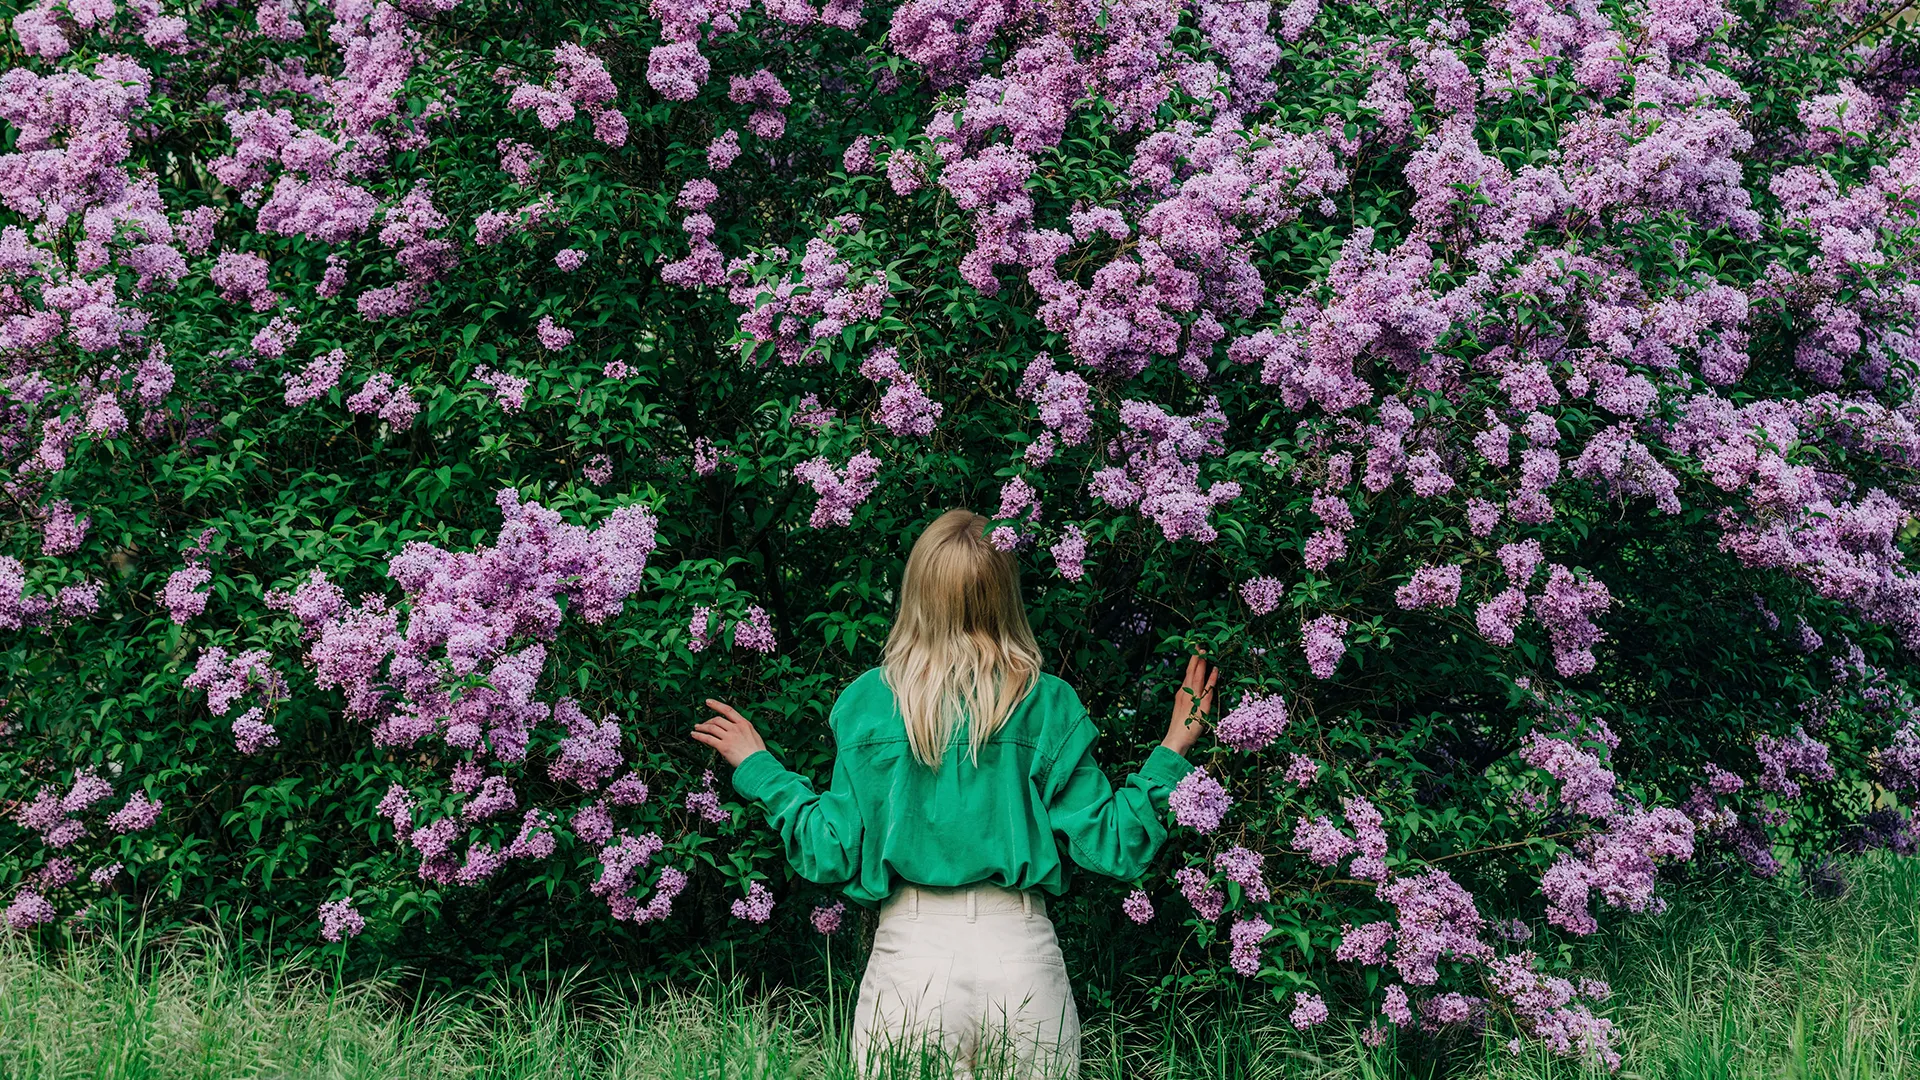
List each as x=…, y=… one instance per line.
x=820, y=830
x=1118, y=832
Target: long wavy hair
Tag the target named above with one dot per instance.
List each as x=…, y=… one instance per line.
x=961, y=650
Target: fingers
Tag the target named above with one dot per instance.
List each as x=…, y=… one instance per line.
x=707, y=739
x=726, y=710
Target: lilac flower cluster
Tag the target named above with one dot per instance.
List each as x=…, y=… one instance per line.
x=1246, y=935
x=1254, y=723
x=579, y=83
x=904, y=408
x=1206, y=900
x=1199, y=802
x=1161, y=474
x=826, y=918
x=705, y=801
x=842, y=490
x=757, y=907
x=339, y=920
x=476, y=621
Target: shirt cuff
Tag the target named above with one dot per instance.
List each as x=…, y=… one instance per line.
x=1163, y=768
x=754, y=777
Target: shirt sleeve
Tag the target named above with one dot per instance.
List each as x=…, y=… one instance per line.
x=1110, y=831
x=820, y=830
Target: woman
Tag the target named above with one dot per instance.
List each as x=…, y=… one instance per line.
x=964, y=777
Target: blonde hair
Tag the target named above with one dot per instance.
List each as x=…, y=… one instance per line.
x=960, y=648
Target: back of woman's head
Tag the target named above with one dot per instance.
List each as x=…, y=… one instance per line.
x=961, y=649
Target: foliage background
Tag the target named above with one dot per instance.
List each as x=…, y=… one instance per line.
x=1423, y=716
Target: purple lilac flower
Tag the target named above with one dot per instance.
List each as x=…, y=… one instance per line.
x=593, y=823
x=722, y=151
x=590, y=753
x=1482, y=516
x=1070, y=553
x=1435, y=919
x=1365, y=944
x=1565, y=609
x=339, y=920
x=509, y=390
x=1254, y=723
x=706, y=801
x=1431, y=587
x=1796, y=754
x=252, y=734
x=536, y=839
x=826, y=918
x=495, y=797
x=1323, y=841
x=629, y=790
x=1246, y=934
x=1500, y=617
x=757, y=907
x=1138, y=907
x=904, y=408
x=841, y=491
x=1301, y=770
x=320, y=375
x=706, y=456
x=1262, y=594
x=1207, y=901
x=28, y=910
x=700, y=630
x=181, y=596
x=1309, y=1010
x=1324, y=639
x=755, y=632
x=808, y=413
x=56, y=873
x=60, y=531
x=1243, y=868
x=553, y=337
x=139, y=813
x=1396, y=1008
x=1199, y=802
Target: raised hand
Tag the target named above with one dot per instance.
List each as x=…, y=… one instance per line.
x=1192, y=706
x=730, y=733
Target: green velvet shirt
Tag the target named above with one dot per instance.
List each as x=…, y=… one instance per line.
x=1035, y=794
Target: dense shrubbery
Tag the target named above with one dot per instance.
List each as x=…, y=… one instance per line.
x=411, y=411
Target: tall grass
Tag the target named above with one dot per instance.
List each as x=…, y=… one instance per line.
x=1732, y=982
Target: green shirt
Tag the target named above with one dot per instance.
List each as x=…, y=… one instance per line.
x=1035, y=792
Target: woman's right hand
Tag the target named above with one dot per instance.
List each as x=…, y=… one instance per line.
x=1192, y=706
x=730, y=733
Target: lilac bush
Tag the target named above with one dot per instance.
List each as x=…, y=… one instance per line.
x=411, y=409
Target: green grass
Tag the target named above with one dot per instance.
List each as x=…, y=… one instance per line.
x=1734, y=982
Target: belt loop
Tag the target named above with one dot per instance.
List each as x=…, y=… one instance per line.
x=973, y=904
x=1026, y=903
x=913, y=891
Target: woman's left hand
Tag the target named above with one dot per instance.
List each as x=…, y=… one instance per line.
x=1192, y=705
x=730, y=733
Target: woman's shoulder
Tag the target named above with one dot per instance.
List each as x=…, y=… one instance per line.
x=1053, y=702
x=1048, y=687
x=865, y=706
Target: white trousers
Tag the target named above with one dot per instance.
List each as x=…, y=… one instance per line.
x=974, y=974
